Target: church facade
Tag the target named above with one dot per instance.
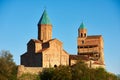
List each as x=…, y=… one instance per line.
x=46, y=52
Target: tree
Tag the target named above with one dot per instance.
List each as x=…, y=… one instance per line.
x=8, y=68
x=58, y=73
x=100, y=74
x=62, y=73
x=47, y=74
x=80, y=71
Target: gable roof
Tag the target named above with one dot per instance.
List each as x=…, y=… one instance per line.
x=65, y=52
x=52, y=40
x=34, y=40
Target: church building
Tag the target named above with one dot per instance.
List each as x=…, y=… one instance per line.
x=46, y=52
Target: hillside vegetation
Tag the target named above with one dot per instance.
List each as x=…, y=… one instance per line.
x=76, y=72
x=79, y=71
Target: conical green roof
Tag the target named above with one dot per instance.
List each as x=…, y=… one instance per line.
x=44, y=18
x=82, y=26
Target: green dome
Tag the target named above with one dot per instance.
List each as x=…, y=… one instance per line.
x=44, y=18
x=82, y=26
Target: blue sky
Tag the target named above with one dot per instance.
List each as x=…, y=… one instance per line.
x=19, y=18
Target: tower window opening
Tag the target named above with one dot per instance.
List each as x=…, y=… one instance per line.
x=82, y=42
x=96, y=55
x=84, y=34
x=81, y=35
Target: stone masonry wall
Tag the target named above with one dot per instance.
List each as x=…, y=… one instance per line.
x=32, y=70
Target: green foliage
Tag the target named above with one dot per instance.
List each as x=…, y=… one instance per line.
x=100, y=73
x=62, y=73
x=29, y=76
x=59, y=73
x=79, y=71
x=8, y=68
x=47, y=74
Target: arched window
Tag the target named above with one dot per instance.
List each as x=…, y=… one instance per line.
x=84, y=34
x=55, y=65
x=81, y=34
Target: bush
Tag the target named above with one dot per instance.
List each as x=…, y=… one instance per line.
x=29, y=76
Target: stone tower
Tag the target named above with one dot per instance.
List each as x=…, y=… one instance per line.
x=44, y=28
x=90, y=46
x=82, y=34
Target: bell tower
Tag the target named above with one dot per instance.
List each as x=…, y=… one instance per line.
x=44, y=28
x=82, y=31
x=82, y=34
